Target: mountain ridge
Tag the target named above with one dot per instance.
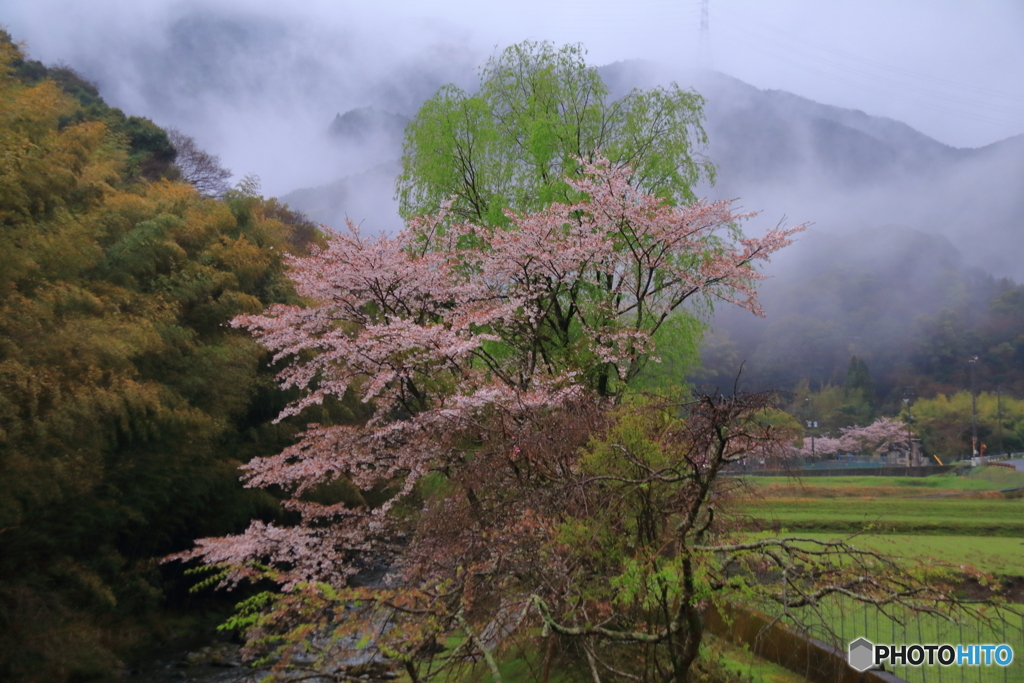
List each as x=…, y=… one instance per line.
x=783, y=154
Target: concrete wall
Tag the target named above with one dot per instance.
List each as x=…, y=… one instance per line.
x=817, y=661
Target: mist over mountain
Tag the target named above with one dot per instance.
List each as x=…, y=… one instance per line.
x=259, y=88
x=876, y=294
x=785, y=155
x=317, y=107
x=905, y=228
x=360, y=125
x=365, y=198
x=842, y=169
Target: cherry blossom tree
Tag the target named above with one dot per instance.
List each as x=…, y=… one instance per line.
x=878, y=438
x=822, y=446
x=488, y=355
x=510, y=495
x=442, y=324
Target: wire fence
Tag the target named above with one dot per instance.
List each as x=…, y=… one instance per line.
x=857, y=462
x=850, y=620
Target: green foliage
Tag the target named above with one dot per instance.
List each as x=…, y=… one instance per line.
x=647, y=539
x=150, y=152
x=678, y=343
x=832, y=407
x=858, y=385
x=248, y=611
x=781, y=422
x=540, y=109
x=944, y=424
x=126, y=400
x=659, y=539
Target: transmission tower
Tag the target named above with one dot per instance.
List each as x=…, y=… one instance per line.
x=704, y=44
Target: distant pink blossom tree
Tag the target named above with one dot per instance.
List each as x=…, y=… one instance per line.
x=822, y=446
x=881, y=436
x=878, y=438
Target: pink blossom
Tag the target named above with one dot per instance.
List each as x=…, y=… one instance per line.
x=445, y=326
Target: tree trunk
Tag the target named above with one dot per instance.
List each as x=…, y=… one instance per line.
x=690, y=645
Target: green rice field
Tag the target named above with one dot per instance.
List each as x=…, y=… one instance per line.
x=971, y=520
x=953, y=517
x=994, y=555
x=939, y=516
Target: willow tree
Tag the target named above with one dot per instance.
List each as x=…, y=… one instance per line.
x=539, y=114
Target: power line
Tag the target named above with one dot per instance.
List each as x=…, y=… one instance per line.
x=869, y=74
x=916, y=75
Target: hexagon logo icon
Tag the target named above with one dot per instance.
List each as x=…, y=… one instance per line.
x=862, y=654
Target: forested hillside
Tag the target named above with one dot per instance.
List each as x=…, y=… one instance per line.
x=126, y=400
x=901, y=300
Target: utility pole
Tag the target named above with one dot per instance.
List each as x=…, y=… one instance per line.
x=811, y=424
x=974, y=411
x=910, y=435
x=704, y=43
x=999, y=419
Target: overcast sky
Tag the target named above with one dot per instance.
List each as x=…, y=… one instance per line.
x=953, y=70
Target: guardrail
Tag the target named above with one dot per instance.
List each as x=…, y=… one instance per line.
x=866, y=471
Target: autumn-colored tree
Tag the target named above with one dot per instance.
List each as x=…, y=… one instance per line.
x=126, y=400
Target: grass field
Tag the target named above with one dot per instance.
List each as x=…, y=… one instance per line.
x=743, y=666
x=978, y=479
x=952, y=520
x=955, y=519
x=999, y=555
x=941, y=516
x=850, y=621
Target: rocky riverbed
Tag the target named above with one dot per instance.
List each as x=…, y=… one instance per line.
x=217, y=662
